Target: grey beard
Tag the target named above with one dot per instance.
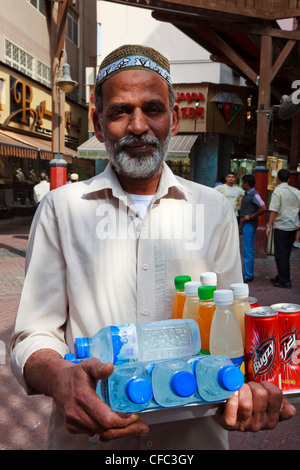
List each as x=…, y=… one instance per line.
x=140, y=166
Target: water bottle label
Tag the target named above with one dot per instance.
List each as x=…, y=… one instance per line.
x=125, y=344
x=239, y=362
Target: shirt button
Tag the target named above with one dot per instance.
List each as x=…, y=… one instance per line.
x=145, y=266
x=145, y=311
x=149, y=443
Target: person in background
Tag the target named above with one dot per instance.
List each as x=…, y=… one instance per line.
x=74, y=178
x=251, y=208
x=41, y=189
x=284, y=216
x=87, y=271
x=232, y=191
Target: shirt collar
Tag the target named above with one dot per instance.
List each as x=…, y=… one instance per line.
x=168, y=184
x=250, y=190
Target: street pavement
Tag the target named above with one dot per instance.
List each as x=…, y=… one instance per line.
x=24, y=420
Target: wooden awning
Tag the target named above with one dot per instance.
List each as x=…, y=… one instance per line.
x=25, y=146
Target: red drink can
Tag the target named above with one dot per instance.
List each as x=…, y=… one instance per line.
x=262, y=359
x=253, y=302
x=289, y=341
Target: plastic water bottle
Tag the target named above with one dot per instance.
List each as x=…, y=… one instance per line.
x=142, y=342
x=225, y=334
x=128, y=389
x=179, y=299
x=217, y=378
x=241, y=304
x=191, y=305
x=173, y=383
x=72, y=358
x=205, y=315
x=208, y=279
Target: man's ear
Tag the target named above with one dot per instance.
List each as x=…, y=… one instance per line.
x=97, y=127
x=175, y=123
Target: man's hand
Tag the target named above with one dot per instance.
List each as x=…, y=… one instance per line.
x=255, y=407
x=82, y=409
x=73, y=389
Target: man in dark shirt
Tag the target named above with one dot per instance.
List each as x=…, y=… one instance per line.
x=252, y=206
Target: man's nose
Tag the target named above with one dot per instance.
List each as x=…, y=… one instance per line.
x=138, y=123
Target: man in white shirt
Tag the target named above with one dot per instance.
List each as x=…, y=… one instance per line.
x=40, y=189
x=284, y=216
x=232, y=191
x=96, y=259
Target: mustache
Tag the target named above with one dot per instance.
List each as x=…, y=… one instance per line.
x=136, y=140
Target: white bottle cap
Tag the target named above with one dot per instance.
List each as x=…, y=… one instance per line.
x=191, y=288
x=240, y=290
x=223, y=297
x=208, y=279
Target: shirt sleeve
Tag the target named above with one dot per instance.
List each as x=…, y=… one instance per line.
x=41, y=318
x=258, y=200
x=228, y=259
x=275, y=202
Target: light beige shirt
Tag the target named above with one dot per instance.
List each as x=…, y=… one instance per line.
x=40, y=189
x=285, y=201
x=92, y=261
x=233, y=193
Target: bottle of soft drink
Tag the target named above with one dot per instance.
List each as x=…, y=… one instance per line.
x=241, y=304
x=225, y=334
x=179, y=299
x=217, y=378
x=173, y=383
x=205, y=315
x=191, y=305
x=208, y=279
x=128, y=389
x=141, y=342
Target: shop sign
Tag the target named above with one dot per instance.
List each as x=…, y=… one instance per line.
x=22, y=111
x=191, y=111
x=228, y=104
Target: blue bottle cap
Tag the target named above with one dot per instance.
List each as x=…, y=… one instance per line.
x=71, y=358
x=183, y=383
x=81, y=347
x=139, y=390
x=231, y=378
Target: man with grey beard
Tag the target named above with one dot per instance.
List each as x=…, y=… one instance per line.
x=105, y=252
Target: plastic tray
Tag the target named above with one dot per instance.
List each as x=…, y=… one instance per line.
x=196, y=410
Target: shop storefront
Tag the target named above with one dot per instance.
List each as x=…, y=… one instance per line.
x=216, y=114
x=25, y=140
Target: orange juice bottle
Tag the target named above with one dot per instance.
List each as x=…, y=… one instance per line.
x=205, y=315
x=179, y=300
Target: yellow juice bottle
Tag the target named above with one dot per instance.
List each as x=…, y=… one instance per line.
x=240, y=304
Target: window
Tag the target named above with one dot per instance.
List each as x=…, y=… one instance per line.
x=72, y=30
x=21, y=60
x=18, y=58
x=39, y=5
x=43, y=73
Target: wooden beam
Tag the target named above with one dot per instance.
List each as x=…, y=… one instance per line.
x=263, y=111
x=233, y=56
x=281, y=59
x=258, y=29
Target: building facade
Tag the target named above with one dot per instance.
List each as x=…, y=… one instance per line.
x=26, y=97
